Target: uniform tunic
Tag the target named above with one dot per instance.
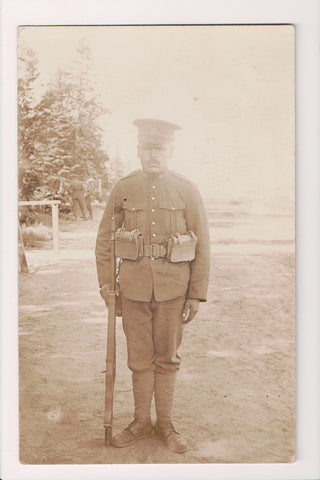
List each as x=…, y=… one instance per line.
x=158, y=206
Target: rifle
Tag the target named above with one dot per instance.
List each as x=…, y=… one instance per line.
x=111, y=343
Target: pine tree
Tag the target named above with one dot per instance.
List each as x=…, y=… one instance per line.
x=71, y=139
x=116, y=169
x=28, y=153
x=59, y=136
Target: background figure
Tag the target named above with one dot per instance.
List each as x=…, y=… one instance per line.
x=89, y=196
x=77, y=195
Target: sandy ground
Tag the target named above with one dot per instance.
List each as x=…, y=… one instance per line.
x=235, y=397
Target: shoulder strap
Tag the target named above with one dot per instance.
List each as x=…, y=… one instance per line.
x=132, y=174
x=181, y=177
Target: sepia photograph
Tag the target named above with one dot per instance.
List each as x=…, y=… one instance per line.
x=156, y=252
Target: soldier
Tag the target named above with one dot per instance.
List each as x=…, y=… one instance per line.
x=77, y=195
x=89, y=196
x=164, y=275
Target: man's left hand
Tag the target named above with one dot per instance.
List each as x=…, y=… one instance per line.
x=190, y=310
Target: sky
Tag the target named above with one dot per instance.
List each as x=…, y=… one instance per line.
x=230, y=88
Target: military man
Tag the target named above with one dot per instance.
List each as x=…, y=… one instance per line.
x=77, y=195
x=89, y=190
x=162, y=283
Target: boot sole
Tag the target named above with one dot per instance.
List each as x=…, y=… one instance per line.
x=132, y=441
x=159, y=437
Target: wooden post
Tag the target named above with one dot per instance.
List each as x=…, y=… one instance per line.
x=22, y=254
x=55, y=228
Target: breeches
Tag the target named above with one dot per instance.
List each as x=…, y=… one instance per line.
x=154, y=333
x=78, y=202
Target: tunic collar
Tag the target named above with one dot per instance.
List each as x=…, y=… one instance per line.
x=155, y=178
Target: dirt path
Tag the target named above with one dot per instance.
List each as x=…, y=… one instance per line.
x=235, y=393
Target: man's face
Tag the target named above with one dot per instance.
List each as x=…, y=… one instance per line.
x=154, y=157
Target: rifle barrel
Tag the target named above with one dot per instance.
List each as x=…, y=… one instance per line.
x=108, y=436
x=111, y=346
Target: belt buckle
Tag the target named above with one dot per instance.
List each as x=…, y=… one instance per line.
x=157, y=247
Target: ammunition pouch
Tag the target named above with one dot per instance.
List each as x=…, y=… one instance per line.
x=181, y=248
x=128, y=245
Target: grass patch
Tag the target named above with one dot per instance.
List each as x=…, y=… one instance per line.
x=36, y=236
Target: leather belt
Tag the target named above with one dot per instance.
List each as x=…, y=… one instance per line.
x=154, y=251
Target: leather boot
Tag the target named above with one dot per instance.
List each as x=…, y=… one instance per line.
x=164, y=429
x=133, y=432
x=141, y=427
x=173, y=440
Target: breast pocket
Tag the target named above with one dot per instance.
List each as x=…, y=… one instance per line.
x=172, y=216
x=134, y=216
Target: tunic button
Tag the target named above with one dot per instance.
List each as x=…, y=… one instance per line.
x=173, y=208
x=153, y=210
x=153, y=198
x=133, y=208
x=153, y=223
x=154, y=235
x=153, y=186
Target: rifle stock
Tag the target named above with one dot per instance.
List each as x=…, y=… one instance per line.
x=111, y=346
